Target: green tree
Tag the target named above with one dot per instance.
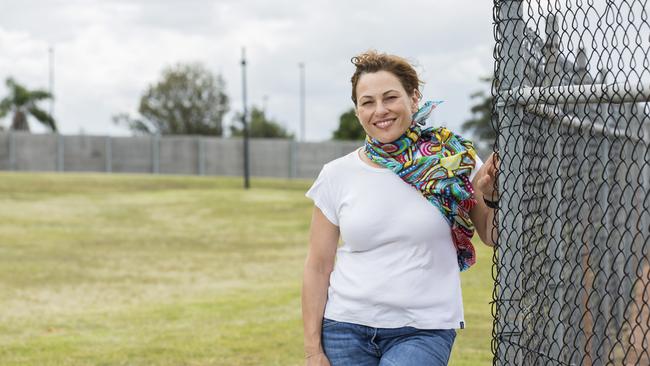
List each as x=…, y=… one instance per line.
x=480, y=124
x=22, y=103
x=259, y=126
x=349, y=127
x=188, y=100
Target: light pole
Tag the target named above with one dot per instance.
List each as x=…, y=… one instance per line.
x=265, y=101
x=51, y=78
x=244, y=121
x=301, y=65
x=59, y=138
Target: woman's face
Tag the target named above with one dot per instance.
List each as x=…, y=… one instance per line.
x=383, y=106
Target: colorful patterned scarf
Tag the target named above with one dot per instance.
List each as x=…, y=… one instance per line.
x=438, y=163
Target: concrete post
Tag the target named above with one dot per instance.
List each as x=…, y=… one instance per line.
x=60, y=146
x=200, y=146
x=155, y=154
x=293, y=153
x=12, y=151
x=108, y=154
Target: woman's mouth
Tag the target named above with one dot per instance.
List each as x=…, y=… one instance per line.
x=384, y=123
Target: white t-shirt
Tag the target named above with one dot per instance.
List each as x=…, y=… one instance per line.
x=397, y=263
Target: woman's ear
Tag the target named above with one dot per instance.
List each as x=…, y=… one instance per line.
x=415, y=99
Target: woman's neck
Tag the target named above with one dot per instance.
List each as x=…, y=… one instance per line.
x=366, y=159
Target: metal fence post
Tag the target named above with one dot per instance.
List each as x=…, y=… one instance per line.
x=558, y=169
x=510, y=29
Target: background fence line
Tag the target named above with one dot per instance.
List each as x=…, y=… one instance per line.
x=192, y=155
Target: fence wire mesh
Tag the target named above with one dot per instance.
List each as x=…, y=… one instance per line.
x=571, y=265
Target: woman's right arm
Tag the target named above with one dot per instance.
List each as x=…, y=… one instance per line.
x=323, y=241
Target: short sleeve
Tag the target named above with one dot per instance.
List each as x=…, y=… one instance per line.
x=477, y=166
x=322, y=195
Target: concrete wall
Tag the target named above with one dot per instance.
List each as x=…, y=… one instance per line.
x=132, y=154
x=84, y=153
x=5, y=163
x=311, y=155
x=224, y=156
x=191, y=155
x=33, y=152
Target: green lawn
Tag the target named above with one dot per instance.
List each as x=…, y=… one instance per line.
x=161, y=270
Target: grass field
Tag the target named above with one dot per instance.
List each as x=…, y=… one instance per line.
x=159, y=270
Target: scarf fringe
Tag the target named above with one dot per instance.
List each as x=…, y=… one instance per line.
x=464, y=248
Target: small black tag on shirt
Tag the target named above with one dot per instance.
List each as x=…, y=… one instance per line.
x=462, y=325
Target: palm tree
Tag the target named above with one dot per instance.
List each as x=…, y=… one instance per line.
x=22, y=103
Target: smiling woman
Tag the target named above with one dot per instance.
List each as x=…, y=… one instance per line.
x=384, y=107
x=405, y=207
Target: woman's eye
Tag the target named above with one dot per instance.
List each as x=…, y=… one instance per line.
x=366, y=103
x=391, y=97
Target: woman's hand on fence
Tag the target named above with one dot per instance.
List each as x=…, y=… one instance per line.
x=487, y=178
x=317, y=360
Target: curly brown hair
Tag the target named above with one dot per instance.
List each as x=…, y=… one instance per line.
x=373, y=61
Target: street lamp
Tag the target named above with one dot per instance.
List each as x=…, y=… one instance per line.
x=244, y=122
x=301, y=65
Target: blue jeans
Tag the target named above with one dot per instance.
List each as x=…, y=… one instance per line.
x=347, y=344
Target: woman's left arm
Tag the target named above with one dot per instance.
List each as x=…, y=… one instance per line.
x=484, y=187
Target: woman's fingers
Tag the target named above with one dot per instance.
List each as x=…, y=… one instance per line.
x=492, y=165
x=486, y=184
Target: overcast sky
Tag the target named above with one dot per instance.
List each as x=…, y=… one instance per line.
x=107, y=52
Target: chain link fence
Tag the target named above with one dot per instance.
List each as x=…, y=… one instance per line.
x=571, y=264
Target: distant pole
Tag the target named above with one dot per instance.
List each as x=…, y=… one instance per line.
x=244, y=117
x=51, y=81
x=60, y=142
x=301, y=65
x=265, y=101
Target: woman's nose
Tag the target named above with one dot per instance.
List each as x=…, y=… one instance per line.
x=381, y=109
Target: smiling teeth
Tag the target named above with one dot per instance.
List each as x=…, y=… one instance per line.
x=384, y=124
